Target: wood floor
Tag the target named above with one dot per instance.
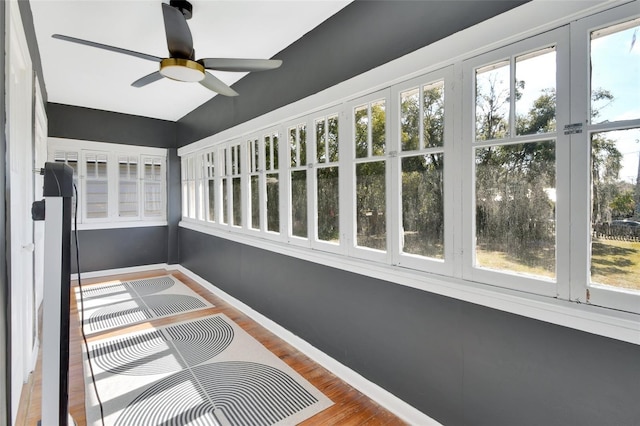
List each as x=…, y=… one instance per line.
x=350, y=406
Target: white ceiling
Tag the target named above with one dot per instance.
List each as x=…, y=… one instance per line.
x=84, y=76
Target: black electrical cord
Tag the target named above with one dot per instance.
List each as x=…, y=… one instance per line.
x=84, y=336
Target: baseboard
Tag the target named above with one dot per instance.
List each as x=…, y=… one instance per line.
x=117, y=271
x=386, y=399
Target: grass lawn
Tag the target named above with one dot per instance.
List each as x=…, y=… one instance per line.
x=616, y=263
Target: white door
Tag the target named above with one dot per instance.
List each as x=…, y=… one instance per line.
x=40, y=157
x=19, y=86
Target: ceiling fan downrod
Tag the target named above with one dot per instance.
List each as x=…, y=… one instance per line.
x=183, y=6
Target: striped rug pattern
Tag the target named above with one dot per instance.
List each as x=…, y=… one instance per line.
x=206, y=371
x=119, y=304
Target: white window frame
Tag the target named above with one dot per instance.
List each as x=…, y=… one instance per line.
x=538, y=285
x=582, y=290
x=314, y=165
x=445, y=265
x=348, y=163
x=286, y=184
x=112, y=151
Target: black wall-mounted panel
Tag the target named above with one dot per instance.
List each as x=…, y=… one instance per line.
x=460, y=363
x=74, y=122
x=102, y=249
x=362, y=36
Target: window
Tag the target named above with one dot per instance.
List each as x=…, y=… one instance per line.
x=370, y=146
x=326, y=206
x=272, y=174
x=298, y=183
x=96, y=192
x=253, y=151
x=608, y=149
x=422, y=170
x=514, y=153
x=211, y=186
x=127, y=186
x=232, y=186
x=116, y=184
x=153, y=187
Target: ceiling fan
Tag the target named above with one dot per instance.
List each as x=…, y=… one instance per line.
x=181, y=64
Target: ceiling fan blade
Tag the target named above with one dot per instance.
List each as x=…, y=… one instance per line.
x=147, y=79
x=179, y=40
x=211, y=82
x=107, y=47
x=240, y=65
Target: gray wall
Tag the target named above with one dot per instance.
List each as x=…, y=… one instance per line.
x=460, y=363
x=362, y=36
x=120, y=248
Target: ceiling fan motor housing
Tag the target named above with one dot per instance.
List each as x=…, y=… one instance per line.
x=183, y=6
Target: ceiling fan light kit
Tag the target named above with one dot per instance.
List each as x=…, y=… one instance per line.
x=181, y=64
x=182, y=69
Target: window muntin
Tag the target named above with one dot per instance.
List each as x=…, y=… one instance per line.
x=128, y=204
x=422, y=170
x=297, y=136
x=370, y=135
x=326, y=168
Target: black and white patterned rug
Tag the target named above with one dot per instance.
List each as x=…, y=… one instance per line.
x=202, y=372
x=117, y=304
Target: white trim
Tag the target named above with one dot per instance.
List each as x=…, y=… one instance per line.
x=591, y=319
x=116, y=224
x=80, y=144
x=120, y=271
x=389, y=401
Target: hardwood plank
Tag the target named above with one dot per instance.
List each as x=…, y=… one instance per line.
x=350, y=406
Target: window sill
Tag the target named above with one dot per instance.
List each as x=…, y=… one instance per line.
x=115, y=225
x=592, y=319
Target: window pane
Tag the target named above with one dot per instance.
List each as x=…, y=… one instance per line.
x=153, y=199
x=615, y=201
x=321, y=141
x=370, y=205
x=225, y=200
x=615, y=67
x=328, y=205
x=332, y=138
x=212, y=200
x=433, y=115
x=378, y=128
x=361, y=131
x=237, y=202
x=299, y=203
x=492, y=101
x=255, y=202
x=410, y=119
x=273, y=202
x=515, y=208
x=423, y=205
x=536, y=92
